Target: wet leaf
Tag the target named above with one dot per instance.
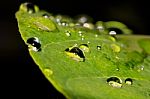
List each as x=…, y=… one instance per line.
x=86, y=63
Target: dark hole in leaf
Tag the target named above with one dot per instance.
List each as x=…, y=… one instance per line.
x=114, y=82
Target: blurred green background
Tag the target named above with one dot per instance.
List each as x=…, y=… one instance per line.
x=21, y=78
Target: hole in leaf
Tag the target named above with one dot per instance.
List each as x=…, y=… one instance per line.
x=114, y=82
x=34, y=44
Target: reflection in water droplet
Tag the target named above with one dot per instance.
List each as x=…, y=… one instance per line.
x=34, y=44
x=114, y=82
x=68, y=33
x=98, y=47
x=129, y=81
x=48, y=72
x=112, y=33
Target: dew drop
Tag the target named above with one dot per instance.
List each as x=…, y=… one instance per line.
x=80, y=33
x=75, y=53
x=100, y=26
x=98, y=47
x=45, y=15
x=68, y=33
x=82, y=37
x=81, y=19
x=129, y=81
x=29, y=7
x=48, y=72
x=34, y=44
x=88, y=25
x=114, y=82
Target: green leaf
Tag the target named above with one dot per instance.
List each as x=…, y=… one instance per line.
x=84, y=62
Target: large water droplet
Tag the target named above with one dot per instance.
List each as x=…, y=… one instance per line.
x=34, y=44
x=114, y=82
x=75, y=53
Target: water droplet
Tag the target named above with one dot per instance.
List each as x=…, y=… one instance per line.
x=75, y=53
x=115, y=48
x=100, y=26
x=29, y=7
x=114, y=82
x=82, y=37
x=84, y=47
x=142, y=67
x=48, y=72
x=80, y=33
x=45, y=15
x=98, y=47
x=129, y=81
x=68, y=33
x=34, y=44
x=88, y=25
x=81, y=19
x=112, y=33
x=96, y=35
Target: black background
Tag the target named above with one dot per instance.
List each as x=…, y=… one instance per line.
x=20, y=77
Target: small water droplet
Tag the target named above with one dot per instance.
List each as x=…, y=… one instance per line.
x=100, y=26
x=96, y=35
x=68, y=33
x=29, y=7
x=80, y=33
x=114, y=82
x=142, y=67
x=45, y=15
x=34, y=44
x=129, y=81
x=82, y=37
x=48, y=72
x=81, y=19
x=88, y=25
x=98, y=47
